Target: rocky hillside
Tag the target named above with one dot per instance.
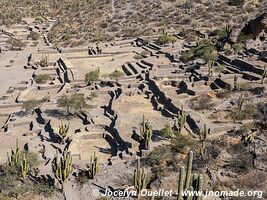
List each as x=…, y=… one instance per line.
x=89, y=20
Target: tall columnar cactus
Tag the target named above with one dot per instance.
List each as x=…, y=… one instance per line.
x=240, y=103
x=62, y=167
x=228, y=29
x=189, y=169
x=210, y=67
x=140, y=178
x=13, y=159
x=202, y=149
x=181, y=183
x=44, y=61
x=264, y=75
x=63, y=129
x=93, y=167
x=189, y=182
x=203, y=138
x=24, y=166
x=204, y=133
x=146, y=132
x=181, y=119
x=235, y=82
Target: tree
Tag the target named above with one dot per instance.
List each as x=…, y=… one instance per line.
x=92, y=76
x=72, y=103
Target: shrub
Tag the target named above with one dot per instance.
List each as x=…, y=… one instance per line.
x=166, y=39
x=238, y=47
x=116, y=74
x=92, y=76
x=219, y=33
x=223, y=93
x=16, y=43
x=205, y=49
x=144, y=54
x=34, y=35
x=202, y=102
x=236, y=2
x=138, y=57
x=42, y=78
x=249, y=112
x=31, y=104
x=159, y=155
x=182, y=143
x=167, y=131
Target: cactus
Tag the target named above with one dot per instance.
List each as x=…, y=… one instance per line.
x=203, y=138
x=181, y=119
x=204, y=133
x=93, y=167
x=62, y=167
x=210, y=66
x=202, y=149
x=146, y=132
x=200, y=185
x=44, y=61
x=249, y=138
x=140, y=178
x=13, y=159
x=240, y=103
x=264, y=75
x=235, y=82
x=24, y=166
x=189, y=169
x=63, y=129
x=189, y=182
x=228, y=28
x=181, y=183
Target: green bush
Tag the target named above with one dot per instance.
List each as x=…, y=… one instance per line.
x=159, y=155
x=166, y=39
x=16, y=43
x=238, y=47
x=249, y=112
x=92, y=76
x=236, y=2
x=219, y=33
x=144, y=54
x=42, y=78
x=205, y=49
x=11, y=184
x=31, y=104
x=138, y=57
x=182, y=143
x=167, y=131
x=116, y=74
x=34, y=35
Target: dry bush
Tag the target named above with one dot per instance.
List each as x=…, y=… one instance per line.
x=203, y=102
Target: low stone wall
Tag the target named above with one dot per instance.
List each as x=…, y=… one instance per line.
x=222, y=84
x=245, y=66
x=224, y=58
x=48, y=87
x=10, y=105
